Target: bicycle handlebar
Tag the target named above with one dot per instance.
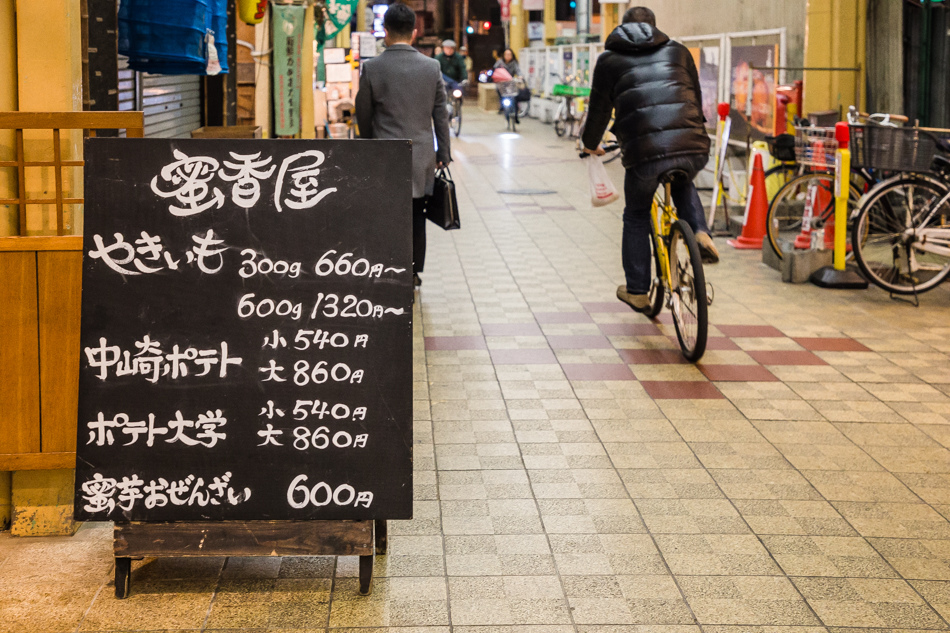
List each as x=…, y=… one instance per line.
x=610, y=147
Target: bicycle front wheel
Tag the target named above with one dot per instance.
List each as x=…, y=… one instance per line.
x=688, y=292
x=901, y=234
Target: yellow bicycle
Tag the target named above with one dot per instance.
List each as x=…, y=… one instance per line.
x=678, y=276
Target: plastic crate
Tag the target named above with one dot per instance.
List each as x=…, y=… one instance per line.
x=564, y=90
x=892, y=148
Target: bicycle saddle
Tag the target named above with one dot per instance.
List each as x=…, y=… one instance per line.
x=673, y=176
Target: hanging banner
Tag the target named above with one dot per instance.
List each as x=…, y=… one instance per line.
x=288, y=43
x=339, y=14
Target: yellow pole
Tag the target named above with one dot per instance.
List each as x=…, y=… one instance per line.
x=550, y=21
x=361, y=25
x=609, y=18
x=842, y=190
x=306, y=69
x=516, y=27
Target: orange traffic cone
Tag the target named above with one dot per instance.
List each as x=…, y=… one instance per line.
x=757, y=208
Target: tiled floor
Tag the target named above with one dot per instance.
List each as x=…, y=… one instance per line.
x=574, y=475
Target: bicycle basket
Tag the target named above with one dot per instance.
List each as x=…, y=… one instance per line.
x=815, y=146
x=782, y=147
x=509, y=88
x=892, y=148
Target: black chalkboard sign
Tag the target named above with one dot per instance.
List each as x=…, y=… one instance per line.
x=246, y=331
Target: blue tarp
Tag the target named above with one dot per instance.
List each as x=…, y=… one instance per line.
x=171, y=37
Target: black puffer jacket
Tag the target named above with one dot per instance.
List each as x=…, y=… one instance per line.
x=653, y=84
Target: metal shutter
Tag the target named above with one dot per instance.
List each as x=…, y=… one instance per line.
x=172, y=103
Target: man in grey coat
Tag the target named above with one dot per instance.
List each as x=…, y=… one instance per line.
x=401, y=96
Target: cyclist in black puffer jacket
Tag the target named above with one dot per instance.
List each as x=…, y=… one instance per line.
x=653, y=84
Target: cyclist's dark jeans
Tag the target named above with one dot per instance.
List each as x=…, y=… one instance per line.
x=450, y=84
x=639, y=185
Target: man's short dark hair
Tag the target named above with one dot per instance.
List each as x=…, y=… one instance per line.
x=400, y=20
x=640, y=14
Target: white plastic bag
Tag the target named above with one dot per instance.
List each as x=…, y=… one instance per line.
x=602, y=190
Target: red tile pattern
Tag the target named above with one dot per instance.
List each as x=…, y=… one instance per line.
x=737, y=373
x=749, y=331
x=784, y=357
x=652, y=356
x=831, y=345
x=682, y=390
x=630, y=329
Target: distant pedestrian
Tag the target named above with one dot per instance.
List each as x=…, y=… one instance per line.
x=402, y=96
x=654, y=85
x=452, y=64
x=509, y=62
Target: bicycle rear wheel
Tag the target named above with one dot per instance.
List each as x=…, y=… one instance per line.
x=898, y=238
x=690, y=307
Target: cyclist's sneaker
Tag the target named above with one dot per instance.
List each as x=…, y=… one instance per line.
x=707, y=248
x=639, y=303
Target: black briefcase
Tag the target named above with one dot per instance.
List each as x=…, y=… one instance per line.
x=443, y=208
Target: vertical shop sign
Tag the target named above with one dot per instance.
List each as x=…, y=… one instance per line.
x=246, y=336
x=288, y=47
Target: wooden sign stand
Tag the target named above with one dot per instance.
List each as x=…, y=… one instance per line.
x=366, y=539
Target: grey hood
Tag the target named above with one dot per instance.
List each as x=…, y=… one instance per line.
x=635, y=37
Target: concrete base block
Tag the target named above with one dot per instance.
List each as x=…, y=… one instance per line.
x=769, y=258
x=797, y=266
x=43, y=503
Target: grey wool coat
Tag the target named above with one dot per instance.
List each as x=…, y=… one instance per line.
x=402, y=96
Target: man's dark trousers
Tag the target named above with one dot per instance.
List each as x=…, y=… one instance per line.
x=639, y=185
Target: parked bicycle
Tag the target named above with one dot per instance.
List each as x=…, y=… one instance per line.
x=455, y=107
x=567, y=117
x=901, y=231
x=802, y=210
